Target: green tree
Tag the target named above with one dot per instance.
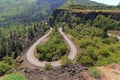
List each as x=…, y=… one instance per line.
x=4, y=67
x=86, y=61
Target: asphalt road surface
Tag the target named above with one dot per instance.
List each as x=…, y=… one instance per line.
x=34, y=61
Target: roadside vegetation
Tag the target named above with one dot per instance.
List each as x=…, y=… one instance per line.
x=14, y=76
x=65, y=61
x=95, y=73
x=53, y=49
x=96, y=48
x=48, y=66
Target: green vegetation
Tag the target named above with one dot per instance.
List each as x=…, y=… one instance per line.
x=65, y=61
x=77, y=5
x=95, y=73
x=76, y=2
x=53, y=49
x=21, y=26
x=96, y=48
x=93, y=7
x=48, y=66
x=15, y=76
x=4, y=67
x=26, y=11
x=16, y=39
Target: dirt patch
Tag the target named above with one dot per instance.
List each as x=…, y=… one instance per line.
x=110, y=72
x=71, y=72
x=115, y=32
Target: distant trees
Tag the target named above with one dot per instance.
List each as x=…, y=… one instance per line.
x=16, y=39
x=93, y=7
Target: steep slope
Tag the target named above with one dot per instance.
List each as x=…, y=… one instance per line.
x=26, y=10
x=13, y=7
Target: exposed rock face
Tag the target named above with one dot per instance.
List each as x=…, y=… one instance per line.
x=90, y=15
x=71, y=72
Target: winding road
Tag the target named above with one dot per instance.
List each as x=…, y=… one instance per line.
x=34, y=61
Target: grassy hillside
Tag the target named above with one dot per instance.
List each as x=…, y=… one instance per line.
x=75, y=2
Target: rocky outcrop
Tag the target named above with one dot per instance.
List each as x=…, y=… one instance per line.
x=90, y=15
x=70, y=72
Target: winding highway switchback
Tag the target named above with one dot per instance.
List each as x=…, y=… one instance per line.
x=30, y=57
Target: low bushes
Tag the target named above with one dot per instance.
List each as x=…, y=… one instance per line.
x=4, y=67
x=53, y=49
x=15, y=76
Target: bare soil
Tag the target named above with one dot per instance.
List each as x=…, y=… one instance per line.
x=116, y=32
x=110, y=72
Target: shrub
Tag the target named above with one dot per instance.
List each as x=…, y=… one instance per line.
x=48, y=66
x=65, y=61
x=90, y=52
x=95, y=73
x=104, y=53
x=4, y=67
x=14, y=76
x=112, y=49
x=86, y=61
x=109, y=40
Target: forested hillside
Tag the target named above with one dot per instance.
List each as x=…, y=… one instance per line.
x=14, y=11
x=22, y=22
